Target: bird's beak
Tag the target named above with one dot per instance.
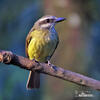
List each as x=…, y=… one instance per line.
x=60, y=19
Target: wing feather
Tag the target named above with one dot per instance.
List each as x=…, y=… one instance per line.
x=28, y=39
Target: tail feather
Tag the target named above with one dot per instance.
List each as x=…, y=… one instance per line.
x=33, y=80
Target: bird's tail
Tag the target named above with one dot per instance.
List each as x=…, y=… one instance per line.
x=33, y=80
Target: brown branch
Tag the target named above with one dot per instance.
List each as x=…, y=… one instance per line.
x=22, y=62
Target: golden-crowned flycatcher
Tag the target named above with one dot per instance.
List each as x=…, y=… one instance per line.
x=41, y=43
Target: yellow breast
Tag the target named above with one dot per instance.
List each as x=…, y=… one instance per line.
x=42, y=45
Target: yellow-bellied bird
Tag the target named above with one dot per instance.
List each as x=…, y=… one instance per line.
x=41, y=43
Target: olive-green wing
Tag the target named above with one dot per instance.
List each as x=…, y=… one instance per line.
x=28, y=39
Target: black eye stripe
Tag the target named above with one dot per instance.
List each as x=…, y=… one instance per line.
x=49, y=20
x=46, y=21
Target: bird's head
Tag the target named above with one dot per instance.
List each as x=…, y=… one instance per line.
x=47, y=22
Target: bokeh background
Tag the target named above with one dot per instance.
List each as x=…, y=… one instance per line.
x=78, y=50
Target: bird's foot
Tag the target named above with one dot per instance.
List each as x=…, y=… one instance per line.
x=48, y=62
x=33, y=59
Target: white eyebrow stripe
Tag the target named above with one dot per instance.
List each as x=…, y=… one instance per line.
x=51, y=17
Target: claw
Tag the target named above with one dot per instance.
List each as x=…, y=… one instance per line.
x=48, y=62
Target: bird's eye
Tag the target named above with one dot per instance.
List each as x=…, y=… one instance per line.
x=48, y=20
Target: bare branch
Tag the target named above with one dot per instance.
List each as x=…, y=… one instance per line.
x=22, y=62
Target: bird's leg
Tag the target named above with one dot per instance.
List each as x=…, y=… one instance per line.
x=33, y=60
x=48, y=60
x=37, y=68
x=51, y=65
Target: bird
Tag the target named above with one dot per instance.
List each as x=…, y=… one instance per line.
x=41, y=43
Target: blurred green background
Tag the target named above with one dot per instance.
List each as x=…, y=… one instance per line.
x=78, y=50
